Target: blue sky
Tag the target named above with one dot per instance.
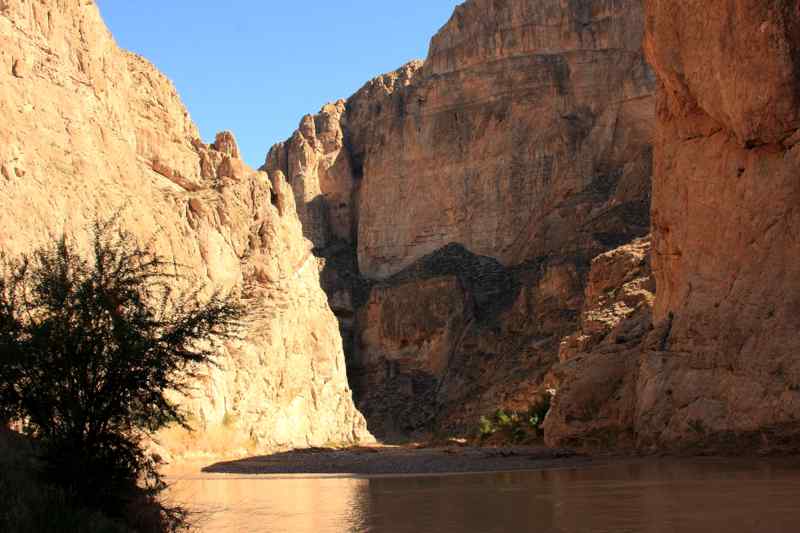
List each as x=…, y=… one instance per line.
x=257, y=66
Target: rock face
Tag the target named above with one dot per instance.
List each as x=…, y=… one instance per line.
x=595, y=382
x=90, y=130
x=619, y=286
x=720, y=370
x=458, y=202
x=725, y=228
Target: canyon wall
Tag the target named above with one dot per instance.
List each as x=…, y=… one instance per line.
x=90, y=131
x=476, y=221
x=720, y=370
x=458, y=203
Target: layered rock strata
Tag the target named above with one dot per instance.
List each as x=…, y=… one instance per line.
x=90, y=131
x=720, y=371
x=459, y=201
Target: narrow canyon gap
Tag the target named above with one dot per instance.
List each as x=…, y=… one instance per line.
x=459, y=201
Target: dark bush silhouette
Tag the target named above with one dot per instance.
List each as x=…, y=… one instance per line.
x=88, y=348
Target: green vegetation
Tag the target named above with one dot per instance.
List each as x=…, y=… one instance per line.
x=514, y=427
x=88, y=348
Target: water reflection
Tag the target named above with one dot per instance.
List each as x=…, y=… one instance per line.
x=296, y=504
x=694, y=496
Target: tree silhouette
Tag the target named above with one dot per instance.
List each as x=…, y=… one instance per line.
x=89, y=348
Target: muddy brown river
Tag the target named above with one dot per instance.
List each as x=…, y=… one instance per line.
x=687, y=496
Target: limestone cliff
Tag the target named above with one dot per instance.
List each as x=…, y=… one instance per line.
x=725, y=228
x=89, y=130
x=720, y=370
x=458, y=202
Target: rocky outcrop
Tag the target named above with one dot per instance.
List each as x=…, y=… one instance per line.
x=458, y=202
x=595, y=381
x=90, y=130
x=619, y=286
x=720, y=370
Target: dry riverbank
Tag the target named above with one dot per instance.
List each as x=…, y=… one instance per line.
x=388, y=460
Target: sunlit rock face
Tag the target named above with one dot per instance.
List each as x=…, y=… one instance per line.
x=90, y=130
x=725, y=228
x=459, y=201
x=721, y=368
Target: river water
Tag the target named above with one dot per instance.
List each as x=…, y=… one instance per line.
x=687, y=496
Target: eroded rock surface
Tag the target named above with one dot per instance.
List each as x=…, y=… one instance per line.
x=90, y=130
x=725, y=223
x=470, y=192
x=720, y=370
x=595, y=382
